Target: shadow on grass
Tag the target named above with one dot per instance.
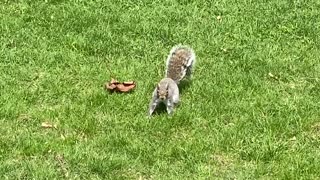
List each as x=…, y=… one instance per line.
x=184, y=85
x=161, y=108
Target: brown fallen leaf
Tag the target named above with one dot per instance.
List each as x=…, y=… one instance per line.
x=48, y=125
x=115, y=85
x=110, y=86
x=129, y=83
x=125, y=87
x=113, y=81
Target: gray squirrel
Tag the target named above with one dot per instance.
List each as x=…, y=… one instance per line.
x=179, y=65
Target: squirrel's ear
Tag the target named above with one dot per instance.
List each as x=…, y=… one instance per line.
x=167, y=86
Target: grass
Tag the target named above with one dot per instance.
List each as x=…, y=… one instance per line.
x=251, y=112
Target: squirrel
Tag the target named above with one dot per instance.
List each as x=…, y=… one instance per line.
x=178, y=67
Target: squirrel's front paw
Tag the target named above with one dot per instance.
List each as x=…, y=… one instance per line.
x=170, y=112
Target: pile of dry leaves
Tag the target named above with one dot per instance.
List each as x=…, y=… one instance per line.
x=117, y=86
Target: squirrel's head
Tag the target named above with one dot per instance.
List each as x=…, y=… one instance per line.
x=162, y=91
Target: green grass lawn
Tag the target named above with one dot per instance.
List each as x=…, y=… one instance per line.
x=251, y=112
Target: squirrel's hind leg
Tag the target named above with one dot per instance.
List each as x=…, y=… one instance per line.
x=175, y=99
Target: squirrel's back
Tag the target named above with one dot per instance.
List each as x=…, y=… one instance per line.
x=180, y=60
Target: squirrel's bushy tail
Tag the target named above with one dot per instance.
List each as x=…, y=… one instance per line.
x=180, y=61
